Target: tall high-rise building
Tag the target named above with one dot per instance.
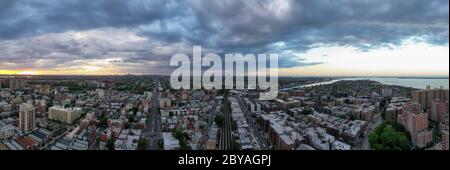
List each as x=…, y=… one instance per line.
x=416, y=123
x=27, y=117
x=438, y=107
x=444, y=142
x=416, y=120
x=16, y=83
x=427, y=96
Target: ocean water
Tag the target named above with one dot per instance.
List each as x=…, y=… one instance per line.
x=419, y=83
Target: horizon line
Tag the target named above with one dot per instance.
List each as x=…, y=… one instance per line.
x=290, y=76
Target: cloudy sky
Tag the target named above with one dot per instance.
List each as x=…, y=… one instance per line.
x=311, y=37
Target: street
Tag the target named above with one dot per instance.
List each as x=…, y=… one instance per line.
x=204, y=138
x=372, y=125
x=152, y=132
x=253, y=126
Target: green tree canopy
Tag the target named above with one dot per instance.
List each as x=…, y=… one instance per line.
x=142, y=144
x=389, y=136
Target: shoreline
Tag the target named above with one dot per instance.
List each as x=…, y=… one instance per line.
x=372, y=79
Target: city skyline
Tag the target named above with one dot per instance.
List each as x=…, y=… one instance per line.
x=146, y=113
x=312, y=38
x=224, y=83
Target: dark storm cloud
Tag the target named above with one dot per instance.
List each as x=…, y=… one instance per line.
x=31, y=17
x=249, y=26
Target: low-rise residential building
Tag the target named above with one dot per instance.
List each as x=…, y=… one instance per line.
x=170, y=143
x=66, y=115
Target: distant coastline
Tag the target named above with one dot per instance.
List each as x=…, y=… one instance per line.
x=422, y=77
x=342, y=77
x=418, y=83
x=331, y=77
x=414, y=82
